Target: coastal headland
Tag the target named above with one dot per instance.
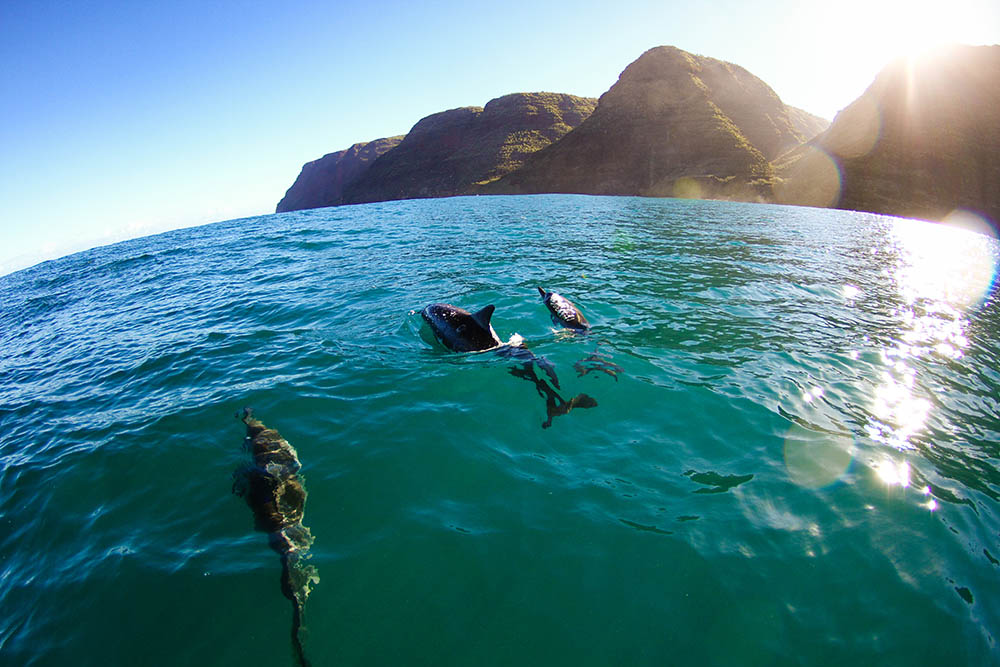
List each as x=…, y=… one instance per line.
x=922, y=141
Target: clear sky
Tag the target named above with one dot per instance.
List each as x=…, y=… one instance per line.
x=121, y=119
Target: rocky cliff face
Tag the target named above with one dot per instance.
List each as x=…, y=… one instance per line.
x=923, y=140
x=458, y=151
x=321, y=182
x=449, y=153
x=675, y=124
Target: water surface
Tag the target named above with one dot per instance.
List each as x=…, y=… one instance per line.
x=796, y=464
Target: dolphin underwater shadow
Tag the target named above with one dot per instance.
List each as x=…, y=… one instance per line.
x=273, y=489
x=461, y=331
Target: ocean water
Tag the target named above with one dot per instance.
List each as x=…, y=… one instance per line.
x=794, y=458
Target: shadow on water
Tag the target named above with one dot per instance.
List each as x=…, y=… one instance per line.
x=555, y=405
x=597, y=362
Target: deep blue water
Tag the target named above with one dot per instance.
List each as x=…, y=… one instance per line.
x=794, y=458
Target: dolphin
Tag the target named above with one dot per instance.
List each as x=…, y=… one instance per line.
x=273, y=489
x=461, y=331
x=564, y=312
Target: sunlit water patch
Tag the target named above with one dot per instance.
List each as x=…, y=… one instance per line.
x=792, y=459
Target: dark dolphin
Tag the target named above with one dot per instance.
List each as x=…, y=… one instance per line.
x=273, y=489
x=459, y=330
x=462, y=331
x=564, y=312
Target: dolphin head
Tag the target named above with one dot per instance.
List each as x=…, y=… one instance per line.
x=459, y=330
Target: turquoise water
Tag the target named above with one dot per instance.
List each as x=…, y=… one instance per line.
x=797, y=464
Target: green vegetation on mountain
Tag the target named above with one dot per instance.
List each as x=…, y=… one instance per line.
x=675, y=124
x=922, y=141
x=448, y=153
x=455, y=152
x=805, y=123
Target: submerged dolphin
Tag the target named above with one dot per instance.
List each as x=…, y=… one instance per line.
x=459, y=330
x=273, y=489
x=564, y=312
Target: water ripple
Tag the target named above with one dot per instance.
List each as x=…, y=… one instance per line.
x=800, y=440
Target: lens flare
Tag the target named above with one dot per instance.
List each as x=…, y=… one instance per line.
x=893, y=473
x=856, y=130
x=687, y=188
x=815, y=459
x=810, y=177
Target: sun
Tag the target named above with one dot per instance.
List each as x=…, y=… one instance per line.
x=898, y=28
x=912, y=28
x=878, y=31
x=849, y=42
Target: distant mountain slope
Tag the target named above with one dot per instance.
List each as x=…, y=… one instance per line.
x=448, y=153
x=456, y=151
x=806, y=124
x=321, y=182
x=674, y=124
x=924, y=139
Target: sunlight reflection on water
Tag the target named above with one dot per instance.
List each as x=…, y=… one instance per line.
x=943, y=274
x=951, y=266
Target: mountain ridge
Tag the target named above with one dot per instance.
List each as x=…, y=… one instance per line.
x=921, y=141
x=674, y=124
x=445, y=154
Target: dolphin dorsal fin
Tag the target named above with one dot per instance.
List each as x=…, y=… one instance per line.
x=483, y=316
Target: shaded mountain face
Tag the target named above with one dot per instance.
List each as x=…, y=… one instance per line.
x=458, y=151
x=922, y=141
x=806, y=124
x=449, y=153
x=321, y=182
x=675, y=124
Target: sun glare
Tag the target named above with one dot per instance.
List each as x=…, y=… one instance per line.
x=866, y=35
x=899, y=28
x=893, y=473
x=952, y=264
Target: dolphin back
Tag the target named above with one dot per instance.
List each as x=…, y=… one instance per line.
x=459, y=330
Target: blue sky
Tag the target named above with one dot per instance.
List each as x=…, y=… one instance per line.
x=124, y=119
